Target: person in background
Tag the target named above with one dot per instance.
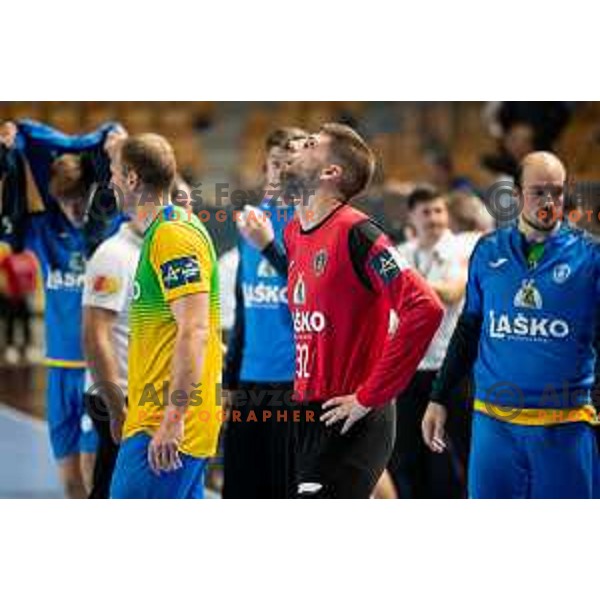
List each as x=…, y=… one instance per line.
x=469, y=220
x=48, y=207
x=441, y=174
x=259, y=366
x=435, y=254
x=18, y=277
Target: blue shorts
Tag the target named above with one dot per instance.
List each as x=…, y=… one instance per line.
x=133, y=478
x=71, y=429
x=530, y=461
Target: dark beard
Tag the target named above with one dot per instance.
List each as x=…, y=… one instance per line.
x=297, y=189
x=548, y=226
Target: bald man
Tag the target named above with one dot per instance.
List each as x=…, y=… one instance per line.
x=528, y=331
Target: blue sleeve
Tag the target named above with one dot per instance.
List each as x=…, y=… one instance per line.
x=40, y=143
x=32, y=235
x=34, y=134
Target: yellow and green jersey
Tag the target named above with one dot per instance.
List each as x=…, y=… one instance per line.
x=177, y=259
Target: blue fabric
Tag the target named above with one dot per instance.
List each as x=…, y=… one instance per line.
x=41, y=144
x=268, y=351
x=537, y=342
x=71, y=429
x=61, y=248
x=523, y=461
x=133, y=478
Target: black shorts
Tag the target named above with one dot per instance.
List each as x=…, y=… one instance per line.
x=257, y=452
x=106, y=454
x=332, y=465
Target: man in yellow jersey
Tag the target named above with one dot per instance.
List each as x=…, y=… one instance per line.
x=172, y=421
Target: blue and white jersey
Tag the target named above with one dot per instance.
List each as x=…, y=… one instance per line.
x=537, y=340
x=268, y=346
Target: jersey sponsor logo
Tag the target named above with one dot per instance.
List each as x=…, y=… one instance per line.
x=320, y=262
x=523, y=327
x=266, y=269
x=496, y=264
x=137, y=290
x=561, y=273
x=299, y=295
x=309, y=321
x=106, y=285
x=308, y=487
x=180, y=271
x=64, y=280
x=528, y=296
x=264, y=294
x=388, y=264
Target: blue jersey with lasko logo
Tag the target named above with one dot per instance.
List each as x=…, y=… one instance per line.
x=537, y=340
x=60, y=249
x=268, y=351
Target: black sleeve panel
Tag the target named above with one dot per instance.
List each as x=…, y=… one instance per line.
x=460, y=358
x=361, y=239
x=276, y=255
x=235, y=345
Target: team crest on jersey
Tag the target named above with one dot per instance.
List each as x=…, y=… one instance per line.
x=266, y=269
x=528, y=295
x=320, y=262
x=180, y=271
x=76, y=262
x=299, y=296
x=561, y=273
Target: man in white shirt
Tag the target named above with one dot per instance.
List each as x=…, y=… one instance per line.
x=438, y=256
x=107, y=295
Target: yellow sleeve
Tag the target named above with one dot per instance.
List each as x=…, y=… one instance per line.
x=181, y=259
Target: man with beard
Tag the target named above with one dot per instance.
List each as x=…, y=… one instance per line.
x=528, y=330
x=259, y=366
x=344, y=279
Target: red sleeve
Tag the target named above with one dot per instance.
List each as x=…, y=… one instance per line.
x=419, y=313
x=288, y=236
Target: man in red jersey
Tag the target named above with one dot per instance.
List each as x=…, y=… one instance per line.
x=344, y=280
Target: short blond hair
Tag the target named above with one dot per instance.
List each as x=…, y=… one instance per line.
x=67, y=181
x=152, y=157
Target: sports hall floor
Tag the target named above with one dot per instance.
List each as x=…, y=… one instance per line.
x=26, y=466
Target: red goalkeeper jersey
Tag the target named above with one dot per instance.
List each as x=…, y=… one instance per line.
x=344, y=280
